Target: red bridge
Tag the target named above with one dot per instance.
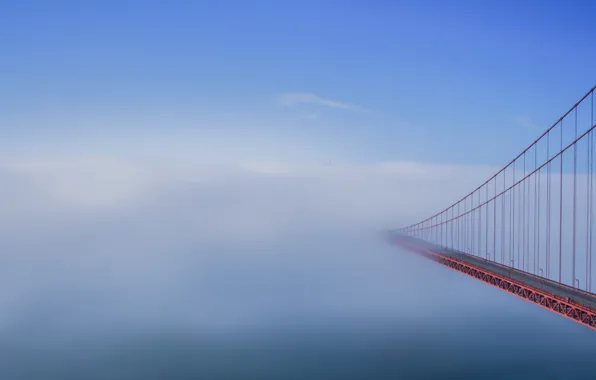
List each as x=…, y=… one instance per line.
x=528, y=229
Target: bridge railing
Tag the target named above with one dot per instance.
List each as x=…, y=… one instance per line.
x=536, y=214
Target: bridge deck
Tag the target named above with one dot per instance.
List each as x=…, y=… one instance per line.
x=527, y=278
x=576, y=295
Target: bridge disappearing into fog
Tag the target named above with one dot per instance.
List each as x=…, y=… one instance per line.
x=528, y=229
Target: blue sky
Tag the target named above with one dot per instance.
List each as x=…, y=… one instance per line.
x=445, y=92
x=464, y=82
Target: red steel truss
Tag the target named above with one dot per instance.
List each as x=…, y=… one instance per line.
x=535, y=215
x=560, y=305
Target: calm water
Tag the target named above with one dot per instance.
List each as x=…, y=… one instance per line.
x=314, y=312
x=408, y=352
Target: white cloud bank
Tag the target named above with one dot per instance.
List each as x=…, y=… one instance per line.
x=112, y=240
x=260, y=194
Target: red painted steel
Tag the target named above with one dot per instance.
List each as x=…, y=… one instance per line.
x=535, y=215
x=545, y=133
x=552, y=302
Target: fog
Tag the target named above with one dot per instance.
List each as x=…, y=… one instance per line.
x=124, y=268
x=97, y=244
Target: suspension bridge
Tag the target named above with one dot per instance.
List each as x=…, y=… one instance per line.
x=529, y=228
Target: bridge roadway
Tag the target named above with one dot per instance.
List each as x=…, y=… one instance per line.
x=547, y=285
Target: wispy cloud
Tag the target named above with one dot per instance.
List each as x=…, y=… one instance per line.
x=526, y=122
x=296, y=98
